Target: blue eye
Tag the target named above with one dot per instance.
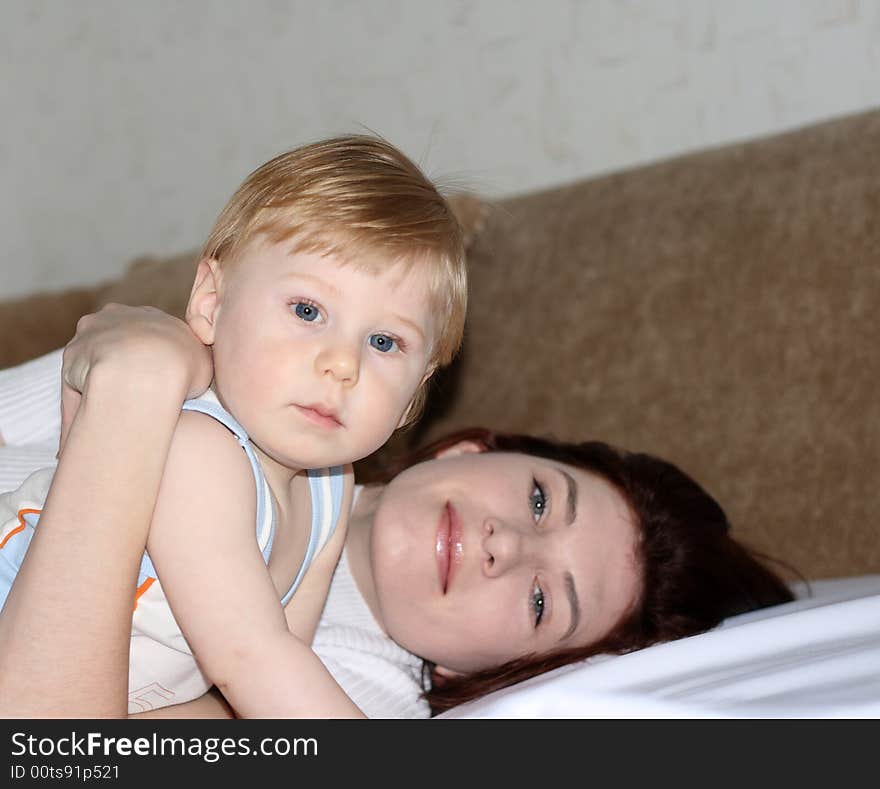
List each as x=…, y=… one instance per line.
x=306, y=311
x=383, y=343
x=536, y=602
x=537, y=501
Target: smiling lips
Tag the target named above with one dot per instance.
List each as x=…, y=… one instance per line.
x=319, y=414
x=448, y=547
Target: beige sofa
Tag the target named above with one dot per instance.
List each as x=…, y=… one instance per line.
x=719, y=309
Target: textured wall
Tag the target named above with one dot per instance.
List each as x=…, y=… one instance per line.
x=126, y=126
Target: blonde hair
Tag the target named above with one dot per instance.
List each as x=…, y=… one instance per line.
x=359, y=198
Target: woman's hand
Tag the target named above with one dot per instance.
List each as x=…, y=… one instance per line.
x=141, y=345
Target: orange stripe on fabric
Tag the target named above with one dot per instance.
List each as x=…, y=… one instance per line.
x=21, y=524
x=140, y=590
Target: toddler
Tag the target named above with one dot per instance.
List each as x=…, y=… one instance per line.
x=330, y=288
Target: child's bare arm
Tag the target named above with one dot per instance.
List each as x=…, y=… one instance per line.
x=303, y=610
x=202, y=542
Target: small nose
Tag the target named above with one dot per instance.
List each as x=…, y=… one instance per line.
x=339, y=360
x=503, y=547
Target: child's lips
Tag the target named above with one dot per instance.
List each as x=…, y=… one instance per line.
x=320, y=414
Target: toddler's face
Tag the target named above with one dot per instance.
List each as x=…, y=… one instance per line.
x=318, y=360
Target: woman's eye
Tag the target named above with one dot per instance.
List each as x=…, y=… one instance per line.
x=383, y=343
x=536, y=601
x=306, y=311
x=537, y=501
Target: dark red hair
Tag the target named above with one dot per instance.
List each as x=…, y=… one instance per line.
x=694, y=573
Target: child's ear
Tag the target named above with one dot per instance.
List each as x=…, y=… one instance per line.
x=406, y=414
x=418, y=399
x=204, y=300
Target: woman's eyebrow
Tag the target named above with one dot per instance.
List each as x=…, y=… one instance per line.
x=572, y=488
x=573, y=601
x=570, y=590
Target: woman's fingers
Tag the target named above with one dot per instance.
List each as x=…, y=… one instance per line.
x=70, y=400
x=74, y=371
x=136, y=342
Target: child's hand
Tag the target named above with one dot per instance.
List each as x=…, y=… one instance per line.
x=140, y=344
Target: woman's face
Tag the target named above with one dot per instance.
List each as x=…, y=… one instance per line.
x=482, y=557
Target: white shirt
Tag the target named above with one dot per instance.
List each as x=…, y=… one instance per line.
x=382, y=678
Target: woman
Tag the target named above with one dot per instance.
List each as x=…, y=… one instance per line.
x=492, y=558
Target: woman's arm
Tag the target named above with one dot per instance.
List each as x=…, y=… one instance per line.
x=65, y=628
x=64, y=631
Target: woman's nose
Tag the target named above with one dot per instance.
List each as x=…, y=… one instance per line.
x=340, y=361
x=503, y=547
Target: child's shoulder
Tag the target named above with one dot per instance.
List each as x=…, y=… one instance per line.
x=194, y=427
x=208, y=485
x=204, y=449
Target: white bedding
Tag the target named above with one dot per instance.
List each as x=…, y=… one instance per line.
x=818, y=656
